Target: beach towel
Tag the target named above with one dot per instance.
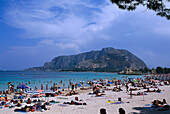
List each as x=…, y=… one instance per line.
x=54, y=102
x=63, y=105
x=99, y=96
x=110, y=101
x=19, y=111
x=61, y=98
x=148, y=106
x=115, y=102
x=119, y=102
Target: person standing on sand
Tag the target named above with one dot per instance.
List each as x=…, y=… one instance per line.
x=127, y=87
x=103, y=111
x=72, y=86
x=121, y=111
x=116, y=83
x=76, y=86
x=130, y=93
x=68, y=87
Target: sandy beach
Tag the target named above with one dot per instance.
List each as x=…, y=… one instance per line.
x=135, y=105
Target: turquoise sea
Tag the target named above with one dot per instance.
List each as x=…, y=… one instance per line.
x=38, y=78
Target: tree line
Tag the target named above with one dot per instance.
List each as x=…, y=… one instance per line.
x=158, y=70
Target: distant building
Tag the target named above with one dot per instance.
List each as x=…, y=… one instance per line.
x=129, y=71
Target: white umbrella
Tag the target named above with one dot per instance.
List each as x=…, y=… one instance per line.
x=48, y=92
x=32, y=92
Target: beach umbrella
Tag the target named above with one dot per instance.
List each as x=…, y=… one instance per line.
x=110, y=82
x=22, y=86
x=31, y=93
x=147, y=81
x=94, y=82
x=157, y=81
x=40, y=91
x=134, y=80
x=52, y=92
x=152, y=80
x=80, y=85
x=48, y=92
x=138, y=79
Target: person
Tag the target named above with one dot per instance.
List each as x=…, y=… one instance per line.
x=97, y=91
x=120, y=89
x=103, y=111
x=72, y=86
x=29, y=101
x=115, y=89
x=127, y=87
x=41, y=86
x=76, y=86
x=6, y=98
x=131, y=93
x=121, y=111
x=164, y=101
x=68, y=87
x=61, y=82
x=116, y=83
x=158, y=90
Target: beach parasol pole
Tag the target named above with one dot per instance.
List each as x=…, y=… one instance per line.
x=82, y=102
x=143, y=95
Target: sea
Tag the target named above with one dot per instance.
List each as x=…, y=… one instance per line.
x=36, y=78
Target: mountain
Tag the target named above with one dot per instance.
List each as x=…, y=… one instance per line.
x=109, y=57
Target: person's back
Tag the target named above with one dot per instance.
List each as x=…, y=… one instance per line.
x=102, y=111
x=121, y=111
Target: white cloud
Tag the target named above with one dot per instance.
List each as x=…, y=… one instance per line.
x=65, y=22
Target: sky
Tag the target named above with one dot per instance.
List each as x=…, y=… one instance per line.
x=33, y=32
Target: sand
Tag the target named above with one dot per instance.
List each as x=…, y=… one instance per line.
x=94, y=104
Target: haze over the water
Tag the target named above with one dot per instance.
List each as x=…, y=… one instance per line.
x=33, y=32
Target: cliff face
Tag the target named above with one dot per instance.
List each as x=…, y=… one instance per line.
x=116, y=59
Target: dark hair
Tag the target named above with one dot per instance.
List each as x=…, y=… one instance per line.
x=121, y=111
x=102, y=111
x=164, y=101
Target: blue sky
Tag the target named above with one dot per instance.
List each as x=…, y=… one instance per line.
x=33, y=32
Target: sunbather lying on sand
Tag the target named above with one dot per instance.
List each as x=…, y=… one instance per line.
x=133, y=89
x=158, y=103
x=71, y=93
x=117, y=89
x=85, y=88
x=139, y=93
x=158, y=90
